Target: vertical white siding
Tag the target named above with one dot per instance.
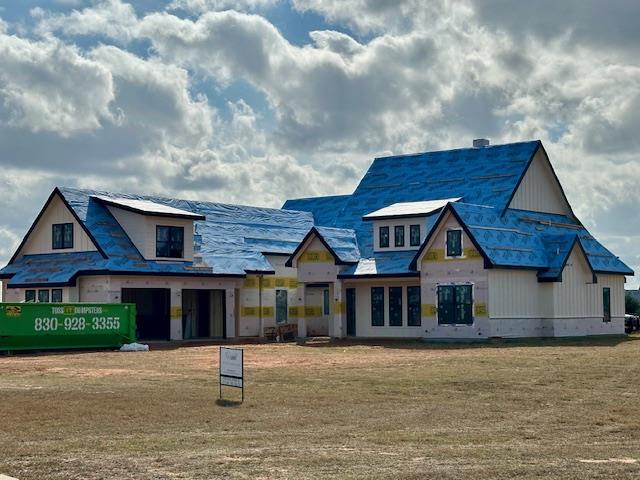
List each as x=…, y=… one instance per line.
x=40, y=240
x=539, y=191
x=515, y=294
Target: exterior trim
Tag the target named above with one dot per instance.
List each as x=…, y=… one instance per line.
x=314, y=231
x=190, y=216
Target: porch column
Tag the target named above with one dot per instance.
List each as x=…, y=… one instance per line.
x=336, y=326
x=230, y=312
x=302, y=322
x=176, y=314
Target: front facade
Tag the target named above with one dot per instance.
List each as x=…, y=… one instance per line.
x=463, y=244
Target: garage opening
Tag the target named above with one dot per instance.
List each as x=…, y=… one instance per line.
x=152, y=311
x=203, y=314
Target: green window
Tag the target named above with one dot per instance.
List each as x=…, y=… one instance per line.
x=43, y=296
x=395, y=306
x=414, y=235
x=325, y=302
x=377, y=306
x=606, y=304
x=398, y=233
x=413, y=307
x=56, y=295
x=454, y=243
x=62, y=235
x=281, y=306
x=455, y=305
x=169, y=242
x=30, y=296
x=383, y=237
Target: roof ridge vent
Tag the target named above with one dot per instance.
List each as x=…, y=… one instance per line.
x=480, y=142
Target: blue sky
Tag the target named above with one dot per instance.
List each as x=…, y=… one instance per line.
x=257, y=101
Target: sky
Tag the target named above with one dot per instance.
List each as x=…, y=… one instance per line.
x=257, y=101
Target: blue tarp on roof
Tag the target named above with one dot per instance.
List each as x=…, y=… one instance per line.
x=234, y=239
x=323, y=209
x=383, y=263
x=342, y=241
x=526, y=239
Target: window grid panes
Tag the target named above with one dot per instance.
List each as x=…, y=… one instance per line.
x=169, y=242
x=43, y=296
x=56, y=295
x=395, y=306
x=62, y=235
x=413, y=307
x=384, y=237
x=454, y=243
x=377, y=306
x=398, y=232
x=414, y=235
x=455, y=305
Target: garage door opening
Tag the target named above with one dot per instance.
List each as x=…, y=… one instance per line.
x=203, y=314
x=152, y=311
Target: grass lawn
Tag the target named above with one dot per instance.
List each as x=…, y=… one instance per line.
x=535, y=409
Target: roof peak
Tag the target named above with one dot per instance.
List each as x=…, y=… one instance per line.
x=460, y=149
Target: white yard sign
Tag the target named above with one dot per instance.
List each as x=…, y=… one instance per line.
x=231, y=368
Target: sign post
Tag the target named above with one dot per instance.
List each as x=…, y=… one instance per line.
x=232, y=368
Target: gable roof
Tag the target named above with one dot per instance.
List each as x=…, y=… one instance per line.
x=234, y=240
x=527, y=240
x=409, y=209
x=340, y=242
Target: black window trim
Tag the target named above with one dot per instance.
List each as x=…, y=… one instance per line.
x=606, y=312
x=381, y=306
x=35, y=295
x=60, y=290
x=446, y=241
x=419, y=323
x=473, y=302
x=170, y=227
x=411, y=227
x=380, y=229
x=63, y=246
x=390, y=306
x=395, y=236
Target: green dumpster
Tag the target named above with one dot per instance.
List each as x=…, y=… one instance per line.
x=40, y=326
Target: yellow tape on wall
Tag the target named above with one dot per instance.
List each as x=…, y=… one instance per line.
x=315, y=257
x=437, y=255
x=271, y=282
x=249, y=311
x=339, y=307
x=428, y=310
x=250, y=282
x=312, y=311
x=268, y=311
x=480, y=310
x=176, y=312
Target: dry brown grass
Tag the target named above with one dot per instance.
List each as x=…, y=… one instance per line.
x=551, y=409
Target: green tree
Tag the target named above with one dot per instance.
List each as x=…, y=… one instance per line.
x=631, y=305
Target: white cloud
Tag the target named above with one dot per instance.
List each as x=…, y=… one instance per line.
x=49, y=86
x=202, y=6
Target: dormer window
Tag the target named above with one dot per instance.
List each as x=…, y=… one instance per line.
x=414, y=235
x=62, y=236
x=454, y=243
x=169, y=241
x=398, y=231
x=384, y=237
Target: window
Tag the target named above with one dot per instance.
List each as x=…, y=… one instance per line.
x=56, y=295
x=384, y=237
x=377, y=306
x=43, y=296
x=62, y=234
x=413, y=307
x=398, y=232
x=455, y=304
x=395, y=306
x=454, y=243
x=281, y=306
x=414, y=235
x=606, y=304
x=30, y=296
x=169, y=242
x=325, y=302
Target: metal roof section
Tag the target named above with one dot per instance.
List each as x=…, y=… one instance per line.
x=146, y=207
x=410, y=209
x=384, y=264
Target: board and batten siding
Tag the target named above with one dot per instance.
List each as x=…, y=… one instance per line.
x=41, y=238
x=141, y=229
x=539, y=191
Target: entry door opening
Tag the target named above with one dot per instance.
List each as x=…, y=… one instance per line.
x=203, y=314
x=351, y=312
x=152, y=311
